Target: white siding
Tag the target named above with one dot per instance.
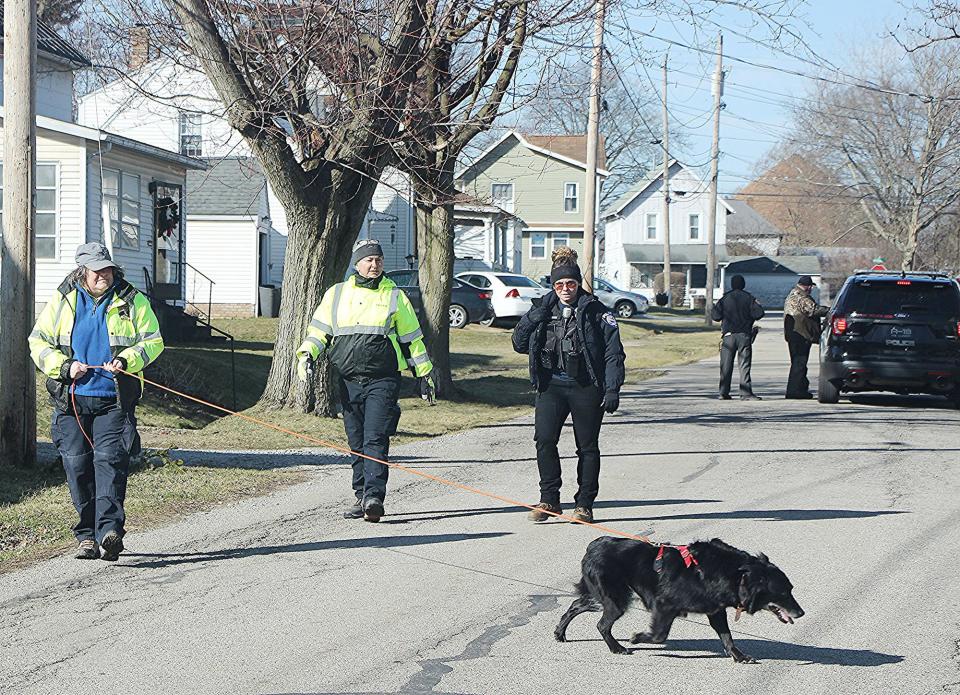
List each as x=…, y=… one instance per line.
x=696, y=199
x=472, y=240
x=68, y=153
x=225, y=250
x=120, y=108
x=133, y=261
x=389, y=217
x=278, y=237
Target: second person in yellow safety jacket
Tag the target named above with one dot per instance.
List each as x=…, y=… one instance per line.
x=369, y=331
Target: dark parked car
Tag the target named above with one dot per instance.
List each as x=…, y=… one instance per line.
x=468, y=304
x=892, y=332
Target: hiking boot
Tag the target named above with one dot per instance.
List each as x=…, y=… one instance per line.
x=539, y=513
x=87, y=550
x=356, y=511
x=372, y=510
x=583, y=514
x=112, y=546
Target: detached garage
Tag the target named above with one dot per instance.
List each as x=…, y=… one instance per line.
x=770, y=278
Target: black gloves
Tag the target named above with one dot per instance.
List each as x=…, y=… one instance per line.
x=611, y=401
x=428, y=391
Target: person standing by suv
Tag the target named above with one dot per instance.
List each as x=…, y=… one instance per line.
x=737, y=310
x=801, y=329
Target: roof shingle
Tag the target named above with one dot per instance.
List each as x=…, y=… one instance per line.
x=230, y=186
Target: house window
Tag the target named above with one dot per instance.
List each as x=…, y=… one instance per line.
x=121, y=208
x=694, y=227
x=502, y=195
x=191, y=142
x=571, y=198
x=651, y=226
x=560, y=239
x=45, y=229
x=538, y=245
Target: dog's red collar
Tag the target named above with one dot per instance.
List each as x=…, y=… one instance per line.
x=688, y=559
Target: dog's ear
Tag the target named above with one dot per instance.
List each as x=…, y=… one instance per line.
x=764, y=559
x=753, y=582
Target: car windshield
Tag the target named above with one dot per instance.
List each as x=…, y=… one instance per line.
x=890, y=298
x=603, y=284
x=517, y=281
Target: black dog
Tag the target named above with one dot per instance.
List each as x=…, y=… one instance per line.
x=718, y=577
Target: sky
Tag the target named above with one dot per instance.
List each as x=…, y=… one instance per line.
x=758, y=101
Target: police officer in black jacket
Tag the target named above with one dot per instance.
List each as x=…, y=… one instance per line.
x=737, y=310
x=576, y=366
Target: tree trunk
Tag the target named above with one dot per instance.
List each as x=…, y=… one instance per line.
x=435, y=249
x=321, y=234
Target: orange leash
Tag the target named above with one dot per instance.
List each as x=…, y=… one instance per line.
x=428, y=476
x=76, y=413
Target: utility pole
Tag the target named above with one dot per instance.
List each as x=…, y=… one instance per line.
x=714, y=165
x=593, y=140
x=666, y=189
x=18, y=398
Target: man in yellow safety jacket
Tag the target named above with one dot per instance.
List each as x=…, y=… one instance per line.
x=96, y=325
x=369, y=331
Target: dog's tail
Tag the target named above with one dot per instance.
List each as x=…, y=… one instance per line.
x=581, y=588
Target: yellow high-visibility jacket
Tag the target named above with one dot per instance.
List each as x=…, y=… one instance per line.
x=134, y=337
x=366, y=333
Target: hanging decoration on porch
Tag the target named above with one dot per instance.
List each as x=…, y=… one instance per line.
x=167, y=216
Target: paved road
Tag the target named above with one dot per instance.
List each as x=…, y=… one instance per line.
x=452, y=593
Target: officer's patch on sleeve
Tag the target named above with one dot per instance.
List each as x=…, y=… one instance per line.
x=608, y=317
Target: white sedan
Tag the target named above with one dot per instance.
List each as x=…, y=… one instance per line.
x=511, y=294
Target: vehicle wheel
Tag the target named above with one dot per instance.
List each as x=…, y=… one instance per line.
x=625, y=309
x=827, y=392
x=458, y=316
x=488, y=322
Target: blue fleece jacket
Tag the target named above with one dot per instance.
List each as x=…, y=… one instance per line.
x=91, y=344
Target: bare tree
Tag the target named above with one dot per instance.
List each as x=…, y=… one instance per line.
x=929, y=23
x=472, y=55
x=896, y=145
x=59, y=13
x=318, y=90
x=627, y=110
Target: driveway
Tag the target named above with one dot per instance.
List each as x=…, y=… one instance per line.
x=454, y=593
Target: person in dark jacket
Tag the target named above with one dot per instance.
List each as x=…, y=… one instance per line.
x=576, y=366
x=737, y=310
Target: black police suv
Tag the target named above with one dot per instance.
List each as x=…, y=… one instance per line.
x=896, y=332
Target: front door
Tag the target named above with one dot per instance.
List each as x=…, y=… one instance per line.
x=168, y=254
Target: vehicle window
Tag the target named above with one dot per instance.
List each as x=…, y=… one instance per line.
x=923, y=299
x=603, y=286
x=456, y=285
x=404, y=277
x=479, y=281
x=517, y=281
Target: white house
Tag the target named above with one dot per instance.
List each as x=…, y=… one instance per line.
x=635, y=228
x=183, y=114
x=93, y=185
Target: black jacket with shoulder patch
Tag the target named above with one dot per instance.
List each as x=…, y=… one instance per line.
x=598, y=332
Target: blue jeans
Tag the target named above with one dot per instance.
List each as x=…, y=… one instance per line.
x=370, y=414
x=97, y=478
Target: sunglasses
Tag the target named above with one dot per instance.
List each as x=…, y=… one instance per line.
x=566, y=285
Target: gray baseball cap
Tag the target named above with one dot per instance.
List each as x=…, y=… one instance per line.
x=94, y=256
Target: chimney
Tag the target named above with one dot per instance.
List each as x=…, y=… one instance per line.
x=139, y=46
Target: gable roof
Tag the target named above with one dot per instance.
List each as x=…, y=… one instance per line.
x=569, y=148
x=747, y=222
x=797, y=265
x=231, y=186
x=652, y=177
x=50, y=43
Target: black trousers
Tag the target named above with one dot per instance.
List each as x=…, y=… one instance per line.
x=741, y=346
x=370, y=416
x=797, y=383
x=97, y=478
x=560, y=399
